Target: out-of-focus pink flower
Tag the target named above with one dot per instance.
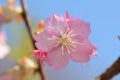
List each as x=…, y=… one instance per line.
x=39, y=55
x=4, y=49
x=62, y=41
x=7, y=15
x=10, y=13
x=15, y=7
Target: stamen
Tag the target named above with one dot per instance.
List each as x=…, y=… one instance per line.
x=68, y=50
x=53, y=37
x=72, y=35
x=70, y=47
x=66, y=42
x=62, y=50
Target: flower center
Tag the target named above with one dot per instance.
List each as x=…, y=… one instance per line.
x=66, y=42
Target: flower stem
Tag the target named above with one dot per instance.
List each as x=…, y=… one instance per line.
x=111, y=72
x=28, y=24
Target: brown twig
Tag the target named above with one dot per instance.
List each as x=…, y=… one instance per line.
x=41, y=70
x=111, y=72
x=27, y=21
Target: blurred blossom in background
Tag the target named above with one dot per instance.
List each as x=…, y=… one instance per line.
x=4, y=48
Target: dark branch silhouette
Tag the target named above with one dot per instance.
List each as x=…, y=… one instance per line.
x=28, y=24
x=111, y=72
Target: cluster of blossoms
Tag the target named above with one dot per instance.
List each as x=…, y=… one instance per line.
x=10, y=12
x=64, y=39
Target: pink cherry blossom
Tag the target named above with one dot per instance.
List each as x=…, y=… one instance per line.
x=4, y=49
x=65, y=39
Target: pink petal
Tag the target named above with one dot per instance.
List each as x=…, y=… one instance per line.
x=44, y=41
x=39, y=55
x=55, y=24
x=83, y=51
x=79, y=29
x=56, y=59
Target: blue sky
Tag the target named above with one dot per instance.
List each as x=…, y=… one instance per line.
x=104, y=16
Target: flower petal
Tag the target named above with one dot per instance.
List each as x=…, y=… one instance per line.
x=39, y=55
x=55, y=24
x=44, y=41
x=67, y=18
x=56, y=59
x=79, y=29
x=83, y=51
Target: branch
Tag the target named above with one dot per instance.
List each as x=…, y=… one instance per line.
x=27, y=21
x=111, y=72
